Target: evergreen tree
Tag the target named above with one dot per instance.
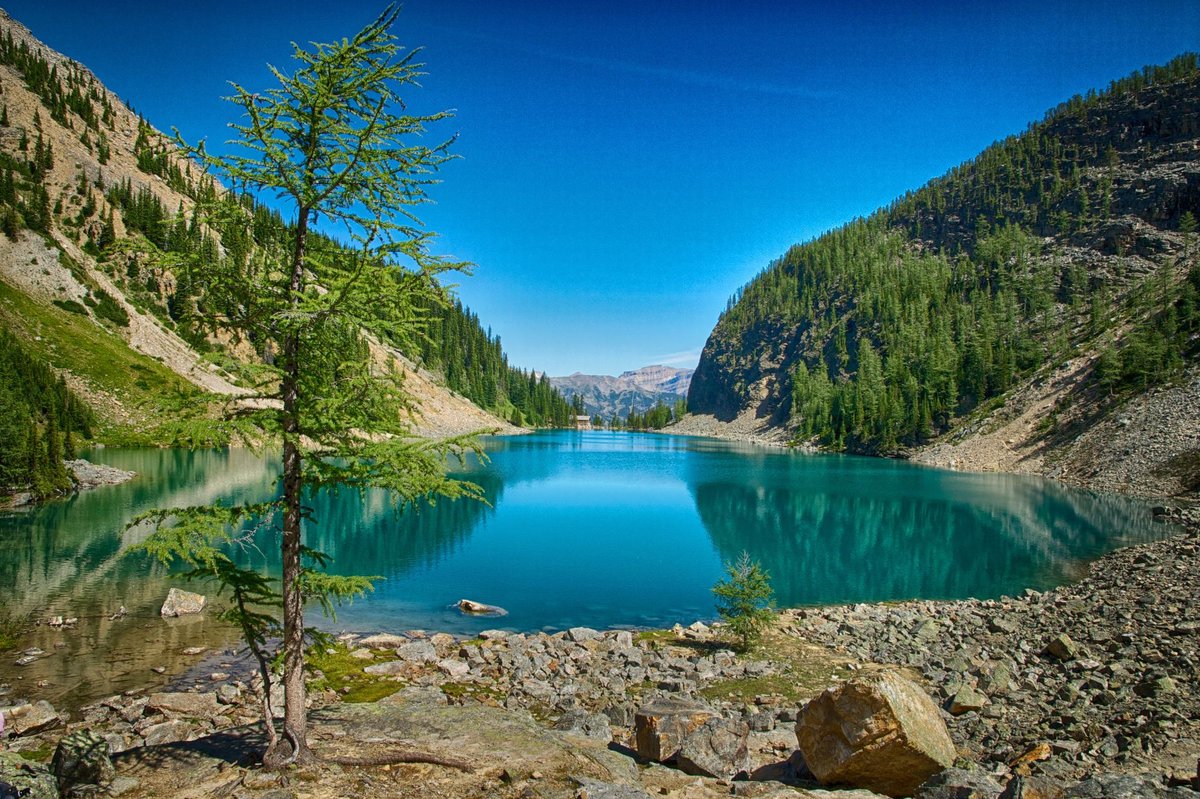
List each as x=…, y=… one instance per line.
x=333, y=140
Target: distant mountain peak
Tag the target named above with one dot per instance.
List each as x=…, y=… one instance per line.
x=635, y=390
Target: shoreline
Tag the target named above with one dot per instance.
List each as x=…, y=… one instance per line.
x=1124, y=696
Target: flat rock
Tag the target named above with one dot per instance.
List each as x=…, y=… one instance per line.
x=25, y=778
x=167, y=732
x=195, y=705
x=957, y=783
x=383, y=641
x=27, y=719
x=880, y=732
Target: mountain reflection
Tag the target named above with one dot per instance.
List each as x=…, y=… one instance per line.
x=837, y=529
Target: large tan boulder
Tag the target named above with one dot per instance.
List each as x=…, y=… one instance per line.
x=661, y=726
x=880, y=732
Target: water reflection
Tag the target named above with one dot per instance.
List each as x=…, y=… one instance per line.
x=586, y=528
x=838, y=529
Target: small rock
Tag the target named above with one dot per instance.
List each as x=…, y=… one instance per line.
x=363, y=653
x=957, y=783
x=1020, y=787
x=195, y=650
x=581, y=634
x=417, y=652
x=585, y=725
x=966, y=699
x=167, y=732
x=228, y=694
x=1062, y=647
x=200, y=705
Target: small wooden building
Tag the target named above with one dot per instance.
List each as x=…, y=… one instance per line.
x=583, y=423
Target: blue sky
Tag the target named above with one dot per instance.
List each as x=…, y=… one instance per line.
x=626, y=166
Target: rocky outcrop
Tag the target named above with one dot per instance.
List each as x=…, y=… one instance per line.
x=880, y=732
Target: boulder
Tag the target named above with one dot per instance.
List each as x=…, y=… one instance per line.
x=957, y=783
x=595, y=789
x=27, y=719
x=880, y=732
x=201, y=705
x=661, y=725
x=24, y=778
x=183, y=603
x=473, y=608
x=1125, y=786
x=717, y=748
x=81, y=761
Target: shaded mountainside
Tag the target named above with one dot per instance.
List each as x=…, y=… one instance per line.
x=635, y=391
x=1051, y=280
x=99, y=217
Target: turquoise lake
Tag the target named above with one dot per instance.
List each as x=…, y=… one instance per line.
x=594, y=528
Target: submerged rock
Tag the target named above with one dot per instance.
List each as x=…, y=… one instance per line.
x=474, y=608
x=183, y=603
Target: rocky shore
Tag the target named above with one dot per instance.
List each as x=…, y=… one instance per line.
x=1096, y=678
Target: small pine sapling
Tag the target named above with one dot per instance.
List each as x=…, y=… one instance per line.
x=745, y=600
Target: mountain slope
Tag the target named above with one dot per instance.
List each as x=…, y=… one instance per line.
x=635, y=391
x=96, y=210
x=1051, y=279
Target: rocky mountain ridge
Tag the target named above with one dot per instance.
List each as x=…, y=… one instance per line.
x=1047, y=264
x=636, y=390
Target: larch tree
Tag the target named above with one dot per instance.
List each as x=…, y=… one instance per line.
x=335, y=146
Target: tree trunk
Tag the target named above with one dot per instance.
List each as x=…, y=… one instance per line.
x=295, y=721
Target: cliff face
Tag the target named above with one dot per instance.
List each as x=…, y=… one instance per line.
x=1071, y=240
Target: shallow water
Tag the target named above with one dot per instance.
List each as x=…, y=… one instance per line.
x=593, y=528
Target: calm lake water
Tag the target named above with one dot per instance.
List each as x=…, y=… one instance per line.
x=594, y=528
x=599, y=529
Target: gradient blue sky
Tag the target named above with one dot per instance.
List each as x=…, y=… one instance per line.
x=626, y=166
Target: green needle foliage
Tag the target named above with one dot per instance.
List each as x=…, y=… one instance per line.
x=333, y=144
x=745, y=600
